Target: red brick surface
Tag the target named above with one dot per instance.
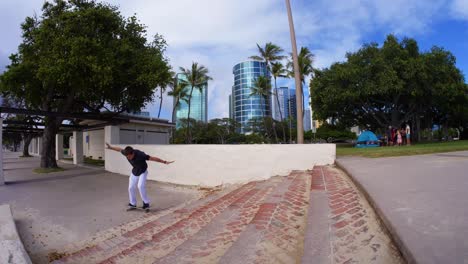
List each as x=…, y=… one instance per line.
x=259, y=222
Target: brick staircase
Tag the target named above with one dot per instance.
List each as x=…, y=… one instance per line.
x=259, y=222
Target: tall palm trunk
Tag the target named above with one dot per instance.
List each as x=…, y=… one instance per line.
x=264, y=117
x=300, y=125
x=173, y=118
x=189, y=133
x=160, y=102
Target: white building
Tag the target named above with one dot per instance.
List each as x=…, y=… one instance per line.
x=138, y=130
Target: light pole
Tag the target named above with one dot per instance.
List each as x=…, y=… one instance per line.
x=297, y=77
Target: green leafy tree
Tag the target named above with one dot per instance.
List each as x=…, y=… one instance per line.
x=27, y=128
x=197, y=77
x=305, y=61
x=269, y=54
x=390, y=85
x=80, y=56
x=178, y=92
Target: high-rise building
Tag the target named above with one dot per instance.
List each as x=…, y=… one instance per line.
x=307, y=119
x=231, y=110
x=246, y=107
x=292, y=107
x=287, y=103
x=198, y=104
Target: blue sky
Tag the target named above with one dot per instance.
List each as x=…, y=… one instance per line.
x=221, y=33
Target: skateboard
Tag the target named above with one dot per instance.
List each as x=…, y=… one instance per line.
x=147, y=210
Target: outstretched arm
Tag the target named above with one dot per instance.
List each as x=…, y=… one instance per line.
x=113, y=148
x=160, y=160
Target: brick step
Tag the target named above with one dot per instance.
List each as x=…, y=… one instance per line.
x=95, y=251
x=276, y=233
x=210, y=243
x=153, y=245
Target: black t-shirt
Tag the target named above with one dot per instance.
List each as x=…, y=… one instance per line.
x=138, y=162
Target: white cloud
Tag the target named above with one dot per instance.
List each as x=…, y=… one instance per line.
x=221, y=33
x=460, y=9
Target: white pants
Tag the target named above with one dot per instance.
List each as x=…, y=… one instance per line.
x=139, y=181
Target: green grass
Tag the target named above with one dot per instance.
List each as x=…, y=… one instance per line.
x=22, y=156
x=416, y=149
x=48, y=170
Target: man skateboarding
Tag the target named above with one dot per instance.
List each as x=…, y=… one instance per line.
x=139, y=173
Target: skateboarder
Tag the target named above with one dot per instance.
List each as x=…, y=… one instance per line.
x=139, y=173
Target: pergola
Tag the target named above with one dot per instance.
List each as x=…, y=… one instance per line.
x=75, y=123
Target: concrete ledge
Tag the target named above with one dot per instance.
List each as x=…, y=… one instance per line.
x=215, y=165
x=407, y=255
x=11, y=247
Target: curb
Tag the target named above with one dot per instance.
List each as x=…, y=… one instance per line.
x=402, y=247
x=11, y=247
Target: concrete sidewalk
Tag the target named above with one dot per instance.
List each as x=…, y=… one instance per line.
x=58, y=209
x=423, y=200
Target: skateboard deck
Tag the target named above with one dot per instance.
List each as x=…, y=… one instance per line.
x=138, y=209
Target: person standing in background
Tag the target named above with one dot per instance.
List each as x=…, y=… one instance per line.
x=408, y=135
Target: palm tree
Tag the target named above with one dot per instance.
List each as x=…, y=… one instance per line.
x=262, y=88
x=305, y=61
x=269, y=54
x=197, y=76
x=179, y=92
x=161, y=90
x=278, y=70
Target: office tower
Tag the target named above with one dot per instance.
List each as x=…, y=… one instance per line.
x=198, y=104
x=247, y=107
x=307, y=119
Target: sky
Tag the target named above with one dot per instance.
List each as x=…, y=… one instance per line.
x=221, y=33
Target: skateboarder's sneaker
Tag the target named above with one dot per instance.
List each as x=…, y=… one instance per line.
x=131, y=205
x=145, y=205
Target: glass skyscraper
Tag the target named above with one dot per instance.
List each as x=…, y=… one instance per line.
x=198, y=104
x=245, y=107
x=287, y=103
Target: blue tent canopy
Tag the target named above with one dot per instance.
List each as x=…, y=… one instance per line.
x=367, y=139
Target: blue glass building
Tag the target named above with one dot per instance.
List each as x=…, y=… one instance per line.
x=198, y=104
x=244, y=106
x=287, y=103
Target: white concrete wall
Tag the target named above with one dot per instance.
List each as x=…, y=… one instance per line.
x=95, y=145
x=143, y=134
x=214, y=165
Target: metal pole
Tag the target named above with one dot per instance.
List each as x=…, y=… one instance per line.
x=297, y=77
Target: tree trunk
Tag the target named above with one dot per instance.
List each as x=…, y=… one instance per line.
x=446, y=130
x=27, y=141
x=395, y=119
x=173, y=119
x=297, y=77
x=264, y=118
x=160, y=102
x=418, y=128
x=48, y=144
x=189, y=134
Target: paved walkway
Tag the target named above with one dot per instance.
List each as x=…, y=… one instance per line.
x=423, y=199
x=315, y=216
x=58, y=209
